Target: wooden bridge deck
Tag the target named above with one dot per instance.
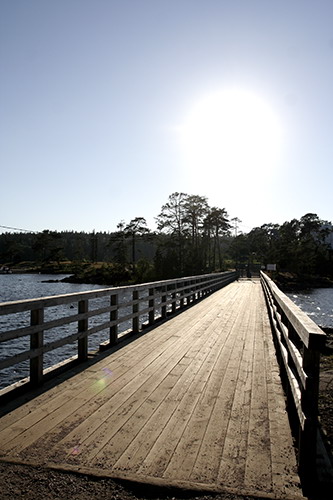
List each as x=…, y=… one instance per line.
x=196, y=402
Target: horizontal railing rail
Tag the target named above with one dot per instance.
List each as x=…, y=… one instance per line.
x=298, y=342
x=115, y=313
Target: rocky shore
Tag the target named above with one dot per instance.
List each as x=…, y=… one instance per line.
x=289, y=282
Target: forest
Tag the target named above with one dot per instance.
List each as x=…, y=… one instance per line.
x=191, y=238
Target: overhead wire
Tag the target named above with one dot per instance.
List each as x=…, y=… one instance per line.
x=17, y=229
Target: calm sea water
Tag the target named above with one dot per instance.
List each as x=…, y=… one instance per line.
x=28, y=286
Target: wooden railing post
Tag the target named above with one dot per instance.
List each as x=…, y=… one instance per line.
x=192, y=297
x=114, y=317
x=163, y=302
x=36, y=341
x=199, y=289
x=203, y=288
x=151, y=303
x=135, y=320
x=207, y=292
x=309, y=401
x=83, y=327
x=181, y=301
x=174, y=299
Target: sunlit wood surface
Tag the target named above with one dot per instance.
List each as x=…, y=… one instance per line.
x=196, y=402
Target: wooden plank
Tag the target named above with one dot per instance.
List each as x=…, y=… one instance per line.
x=63, y=407
x=137, y=350
x=193, y=402
x=233, y=463
x=163, y=448
x=207, y=464
x=92, y=390
x=194, y=359
x=138, y=449
x=97, y=394
x=183, y=460
x=118, y=355
x=192, y=343
x=168, y=413
x=258, y=468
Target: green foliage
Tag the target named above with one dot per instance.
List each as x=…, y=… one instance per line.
x=194, y=233
x=192, y=238
x=102, y=274
x=136, y=228
x=297, y=246
x=144, y=271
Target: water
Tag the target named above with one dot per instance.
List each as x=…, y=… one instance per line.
x=31, y=286
x=316, y=303
x=28, y=286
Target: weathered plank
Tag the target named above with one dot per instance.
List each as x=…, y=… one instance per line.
x=196, y=401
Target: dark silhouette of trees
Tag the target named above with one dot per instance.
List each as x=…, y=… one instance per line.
x=298, y=246
x=218, y=225
x=195, y=233
x=195, y=211
x=136, y=227
x=48, y=246
x=171, y=221
x=288, y=246
x=192, y=238
x=118, y=243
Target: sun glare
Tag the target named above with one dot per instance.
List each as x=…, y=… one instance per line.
x=231, y=134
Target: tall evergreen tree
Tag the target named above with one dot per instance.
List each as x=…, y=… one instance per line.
x=136, y=227
x=171, y=221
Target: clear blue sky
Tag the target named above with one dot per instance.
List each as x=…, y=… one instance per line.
x=109, y=106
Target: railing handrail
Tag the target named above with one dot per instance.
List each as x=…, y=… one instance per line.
x=54, y=300
x=311, y=334
x=158, y=300
x=298, y=342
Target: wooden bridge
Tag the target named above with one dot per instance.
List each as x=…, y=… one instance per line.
x=194, y=402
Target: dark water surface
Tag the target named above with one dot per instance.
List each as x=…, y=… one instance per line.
x=31, y=286
x=316, y=303
x=28, y=286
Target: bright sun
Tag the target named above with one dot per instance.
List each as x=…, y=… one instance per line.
x=231, y=133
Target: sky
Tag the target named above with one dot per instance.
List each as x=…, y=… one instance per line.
x=107, y=107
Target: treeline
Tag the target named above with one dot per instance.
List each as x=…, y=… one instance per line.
x=303, y=247
x=191, y=238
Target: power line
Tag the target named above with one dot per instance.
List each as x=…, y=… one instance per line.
x=17, y=229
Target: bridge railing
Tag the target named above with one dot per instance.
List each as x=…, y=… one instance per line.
x=41, y=326
x=298, y=342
